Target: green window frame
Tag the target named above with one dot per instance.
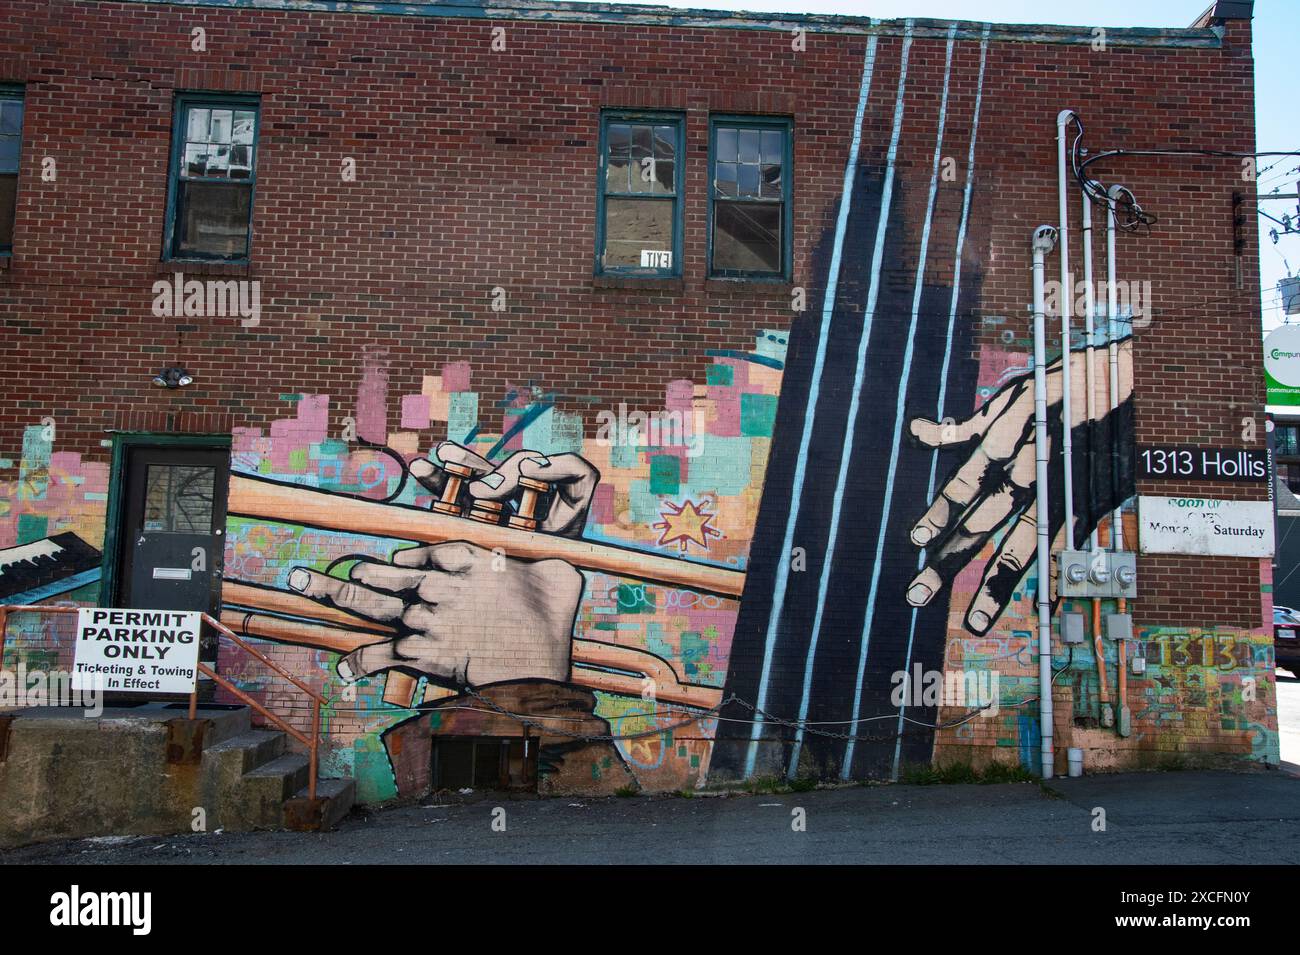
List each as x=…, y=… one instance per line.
x=750, y=215
x=212, y=177
x=12, y=109
x=639, y=187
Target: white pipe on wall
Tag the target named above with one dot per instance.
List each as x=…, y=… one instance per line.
x=1105, y=709
x=1043, y=243
x=1067, y=293
x=1112, y=320
x=1125, y=722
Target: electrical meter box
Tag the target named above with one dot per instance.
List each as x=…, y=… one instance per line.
x=1097, y=573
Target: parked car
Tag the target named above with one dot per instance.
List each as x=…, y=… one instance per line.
x=1286, y=638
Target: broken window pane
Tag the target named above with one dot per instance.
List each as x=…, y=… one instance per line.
x=664, y=183
x=242, y=131
x=665, y=142
x=616, y=174
x=619, y=139
x=642, y=143
x=772, y=186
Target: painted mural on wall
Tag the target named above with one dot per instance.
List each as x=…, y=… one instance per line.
x=850, y=499
x=608, y=618
x=52, y=507
x=589, y=585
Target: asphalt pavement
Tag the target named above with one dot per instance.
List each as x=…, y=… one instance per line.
x=1156, y=818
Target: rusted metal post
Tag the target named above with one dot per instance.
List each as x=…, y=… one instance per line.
x=194, y=704
x=314, y=750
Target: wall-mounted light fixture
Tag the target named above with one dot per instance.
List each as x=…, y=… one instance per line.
x=172, y=378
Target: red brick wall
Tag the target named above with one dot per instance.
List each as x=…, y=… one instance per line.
x=476, y=169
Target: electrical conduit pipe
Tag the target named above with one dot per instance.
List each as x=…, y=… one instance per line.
x=1107, y=711
x=1117, y=519
x=1043, y=242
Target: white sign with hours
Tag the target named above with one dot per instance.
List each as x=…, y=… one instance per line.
x=1197, y=525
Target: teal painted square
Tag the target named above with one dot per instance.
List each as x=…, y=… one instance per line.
x=32, y=527
x=757, y=415
x=720, y=375
x=665, y=474
x=724, y=465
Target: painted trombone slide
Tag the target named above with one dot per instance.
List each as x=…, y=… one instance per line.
x=288, y=618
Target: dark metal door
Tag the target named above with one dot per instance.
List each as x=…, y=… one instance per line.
x=172, y=538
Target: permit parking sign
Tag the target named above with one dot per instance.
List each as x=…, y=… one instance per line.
x=141, y=651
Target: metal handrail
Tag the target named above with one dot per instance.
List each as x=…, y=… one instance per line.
x=312, y=742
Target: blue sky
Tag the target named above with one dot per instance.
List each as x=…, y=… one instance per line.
x=1276, y=31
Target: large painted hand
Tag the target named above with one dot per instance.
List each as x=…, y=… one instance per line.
x=466, y=616
x=572, y=478
x=996, y=486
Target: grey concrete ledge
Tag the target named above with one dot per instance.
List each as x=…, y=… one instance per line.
x=552, y=11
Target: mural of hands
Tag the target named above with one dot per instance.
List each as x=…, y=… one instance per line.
x=467, y=615
x=995, y=488
x=572, y=478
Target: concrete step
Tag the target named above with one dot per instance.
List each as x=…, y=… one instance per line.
x=284, y=775
x=256, y=800
x=150, y=769
x=224, y=721
x=226, y=724
x=334, y=800
x=228, y=761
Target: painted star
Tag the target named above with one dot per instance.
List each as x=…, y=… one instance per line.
x=686, y=525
